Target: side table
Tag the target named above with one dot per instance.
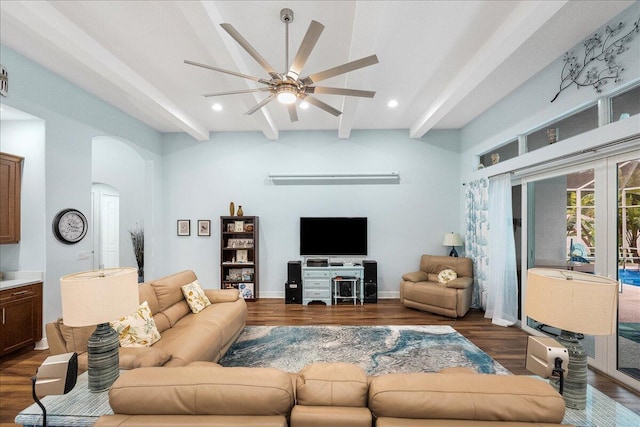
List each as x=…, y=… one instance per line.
x=353, y=287
x=78, y=408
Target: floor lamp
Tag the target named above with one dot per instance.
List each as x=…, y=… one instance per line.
x=576, y=303
x=96, y=298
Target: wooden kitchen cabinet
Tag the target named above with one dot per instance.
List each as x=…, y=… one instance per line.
x=21, y=317
x=10, y=175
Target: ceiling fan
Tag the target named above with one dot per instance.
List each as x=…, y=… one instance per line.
x=288, y=87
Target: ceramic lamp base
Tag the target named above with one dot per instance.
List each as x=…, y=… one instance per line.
x=453, y=252
x=575, y=382
x=103, y=358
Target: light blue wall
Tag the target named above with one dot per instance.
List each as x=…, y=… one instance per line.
x=530, y=107
x=405, y=219
x=72, y=118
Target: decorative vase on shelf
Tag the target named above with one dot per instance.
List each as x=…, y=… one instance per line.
x=232, y=209
x=240, y=212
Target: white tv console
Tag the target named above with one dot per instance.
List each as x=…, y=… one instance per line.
x=317, y=282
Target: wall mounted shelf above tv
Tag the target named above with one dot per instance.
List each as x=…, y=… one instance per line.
x=335, y=178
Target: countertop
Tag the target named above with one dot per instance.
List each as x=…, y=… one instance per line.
x=15, y=279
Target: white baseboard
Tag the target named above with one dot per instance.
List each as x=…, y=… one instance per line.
x=43, y=344
x=280, y=294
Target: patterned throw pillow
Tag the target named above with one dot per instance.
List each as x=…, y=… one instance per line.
x=138, y=329
x=447, y=275
x=194, y=294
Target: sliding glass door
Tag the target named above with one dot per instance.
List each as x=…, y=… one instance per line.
x=624, y=350
x=587, y=218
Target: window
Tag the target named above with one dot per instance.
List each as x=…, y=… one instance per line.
x=565, y=128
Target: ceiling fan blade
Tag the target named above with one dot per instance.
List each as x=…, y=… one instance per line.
x=340, y=69
x=233, y=73
x=307, y=45
x=234, y=92
x=293, y=113
x=261, y=104
x=326, y=107
x=250, y=49
x=340, y=91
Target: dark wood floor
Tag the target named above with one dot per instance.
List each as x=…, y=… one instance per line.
x=506, y=345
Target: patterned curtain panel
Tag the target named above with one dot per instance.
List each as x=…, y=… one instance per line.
x=476, y=237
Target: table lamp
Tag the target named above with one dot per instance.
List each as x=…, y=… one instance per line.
x=452, y=239
x=96, y=298
x=575, y=303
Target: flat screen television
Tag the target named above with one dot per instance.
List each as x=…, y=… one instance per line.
x=333, y=236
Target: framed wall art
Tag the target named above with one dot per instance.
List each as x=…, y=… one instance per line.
x=184, y=227
x=204, y=227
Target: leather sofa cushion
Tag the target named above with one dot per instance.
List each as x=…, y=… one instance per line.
x=169, y=289
x=465, y=397
x=332, y=384
x=416, y=276
x=433, y=264
x=400, y=422
x=202, y=390
x=202, y=336
x=76, y=337
x=334, y=416
x=191, y=421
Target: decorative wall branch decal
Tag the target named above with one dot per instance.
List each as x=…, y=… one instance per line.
x=599, y=64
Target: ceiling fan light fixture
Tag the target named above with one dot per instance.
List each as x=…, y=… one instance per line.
x=287, y=94
x=304, y=105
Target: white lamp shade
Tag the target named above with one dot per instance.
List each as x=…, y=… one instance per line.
x=99, y=296
x=572, y=301
x=452, y=239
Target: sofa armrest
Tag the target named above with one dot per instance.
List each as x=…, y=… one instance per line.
x=222, y=295
x=416, y=276
x=142, y=357
x=57, y=344
x=460, y=283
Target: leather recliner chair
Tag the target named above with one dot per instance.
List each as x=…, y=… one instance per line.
x=422, y=290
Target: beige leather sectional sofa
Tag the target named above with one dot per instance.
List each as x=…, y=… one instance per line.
x=327, y=394
x=185, y=337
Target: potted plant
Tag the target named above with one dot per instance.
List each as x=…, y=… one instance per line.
x=137, y=240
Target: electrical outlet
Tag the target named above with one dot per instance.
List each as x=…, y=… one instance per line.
x=84, y=255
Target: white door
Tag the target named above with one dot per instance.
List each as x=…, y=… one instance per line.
x=110, y=229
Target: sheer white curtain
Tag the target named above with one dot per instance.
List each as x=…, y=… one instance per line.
x=502, y=280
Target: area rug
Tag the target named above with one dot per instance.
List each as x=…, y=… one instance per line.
x=376, y=349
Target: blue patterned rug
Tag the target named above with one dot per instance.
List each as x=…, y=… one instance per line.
x=376, y=349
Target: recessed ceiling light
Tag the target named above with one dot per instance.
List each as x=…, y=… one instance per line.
x=392, y=104
x=304, y=105
x=216, y=107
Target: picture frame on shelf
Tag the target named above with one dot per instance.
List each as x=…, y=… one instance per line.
x=204, y=227
x=235, y=274
x=248, y=227
x=238, y=226
x=242, y=256
x=240, y=243
x=247, y=274
x=184, y=227
x=246, y=290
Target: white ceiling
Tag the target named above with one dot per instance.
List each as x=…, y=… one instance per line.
x=445, y=62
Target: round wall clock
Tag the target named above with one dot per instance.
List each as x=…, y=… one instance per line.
x=70, y=226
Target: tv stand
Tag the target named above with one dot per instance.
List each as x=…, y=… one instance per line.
x=318, y=282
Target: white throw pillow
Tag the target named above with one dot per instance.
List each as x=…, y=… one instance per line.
x=138, y=329
x=447, y=275
x=195, y=296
